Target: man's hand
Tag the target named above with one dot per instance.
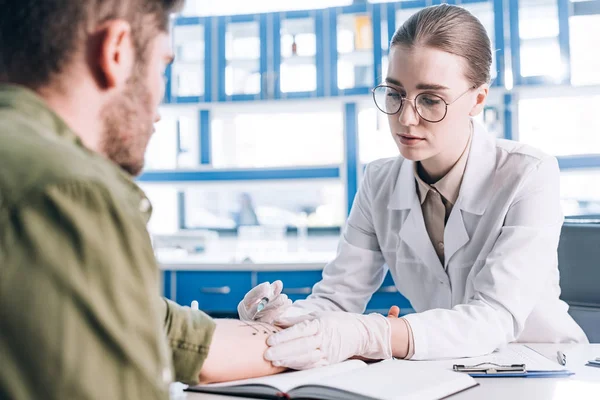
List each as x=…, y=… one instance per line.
x=329, y=338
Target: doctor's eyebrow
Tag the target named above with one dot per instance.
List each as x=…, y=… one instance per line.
x=393, y=81
x=431, y=86
x=420, y=86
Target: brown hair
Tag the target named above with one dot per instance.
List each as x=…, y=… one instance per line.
x=454, y=30
x=38, y=39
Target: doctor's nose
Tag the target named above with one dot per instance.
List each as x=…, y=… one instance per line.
x=408, y=115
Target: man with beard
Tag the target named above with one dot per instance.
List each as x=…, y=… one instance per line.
x=80, y=85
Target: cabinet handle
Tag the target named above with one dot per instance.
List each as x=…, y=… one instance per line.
x=388, y=289
x=216, y=290
x=302, y=290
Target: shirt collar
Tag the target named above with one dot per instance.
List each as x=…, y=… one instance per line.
x=35, y=109
x=449, y=185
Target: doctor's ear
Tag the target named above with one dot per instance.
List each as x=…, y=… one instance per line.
x=482, y=93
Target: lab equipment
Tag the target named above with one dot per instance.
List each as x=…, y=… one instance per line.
x=193, y=241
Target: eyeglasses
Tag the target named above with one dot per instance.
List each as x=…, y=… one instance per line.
x=430, y=107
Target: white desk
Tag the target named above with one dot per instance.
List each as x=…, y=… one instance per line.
x=585, y=384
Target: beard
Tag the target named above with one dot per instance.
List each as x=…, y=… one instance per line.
x=128, y=125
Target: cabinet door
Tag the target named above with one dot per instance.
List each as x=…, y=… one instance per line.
x=165, y=284
x=242, y=57
x=296, y=284
x=298, y=69
x=215, y=291
x=355, y=48
x=190, y=73
x=540, y=41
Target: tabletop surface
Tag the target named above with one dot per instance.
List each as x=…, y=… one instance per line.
x=585, y=384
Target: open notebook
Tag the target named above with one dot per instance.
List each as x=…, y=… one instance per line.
x=351, y=380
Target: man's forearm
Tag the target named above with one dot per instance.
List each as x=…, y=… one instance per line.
x=236, y=352
x=189, y=334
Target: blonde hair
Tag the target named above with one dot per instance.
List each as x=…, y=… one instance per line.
x=451, y=29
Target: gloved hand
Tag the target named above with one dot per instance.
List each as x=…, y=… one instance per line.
x=329, y=338
x=278, y=303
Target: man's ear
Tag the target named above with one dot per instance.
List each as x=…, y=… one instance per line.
x=115, y=53
x=482, y=93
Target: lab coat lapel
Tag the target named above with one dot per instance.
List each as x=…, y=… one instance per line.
x=475, y=191
x=413, y=231
x=455, y=235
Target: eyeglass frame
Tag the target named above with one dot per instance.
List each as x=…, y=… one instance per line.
x=414, y=101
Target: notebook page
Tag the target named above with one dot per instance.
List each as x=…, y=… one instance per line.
x=400, y=380
x=286, y=381
x=512, y=354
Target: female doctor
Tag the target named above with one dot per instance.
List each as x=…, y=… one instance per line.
x=468, y=225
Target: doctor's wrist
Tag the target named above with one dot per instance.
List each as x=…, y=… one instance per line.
x=400, y=337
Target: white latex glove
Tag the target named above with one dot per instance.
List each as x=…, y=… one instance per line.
x=278, y=303
x=329, y=338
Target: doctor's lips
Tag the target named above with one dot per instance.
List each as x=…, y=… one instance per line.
x=409, y=140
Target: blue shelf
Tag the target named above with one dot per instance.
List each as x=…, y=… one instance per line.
x=239, y=175
x=579, y=162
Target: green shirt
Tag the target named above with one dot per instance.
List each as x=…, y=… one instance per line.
x=80, y=312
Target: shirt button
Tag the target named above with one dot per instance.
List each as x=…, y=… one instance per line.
x=144, y=205
x=166, y=375
x=441, y=245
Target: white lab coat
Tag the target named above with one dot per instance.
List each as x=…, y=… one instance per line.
x=500, y=280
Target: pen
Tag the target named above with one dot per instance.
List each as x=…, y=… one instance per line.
x=561, y=357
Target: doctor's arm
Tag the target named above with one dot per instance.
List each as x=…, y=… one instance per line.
x=506, y=290
x=511, y=281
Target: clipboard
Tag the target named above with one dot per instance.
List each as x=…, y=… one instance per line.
x=492, y=370
x=593, y=363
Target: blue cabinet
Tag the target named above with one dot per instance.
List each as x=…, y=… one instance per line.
x=344, y=50
x=298, y=54
x=355, y=48
x=242, y=69
x=296, y=284
x=540, y=31
x=189, y=77
x=219, y=292
x=215, y=291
